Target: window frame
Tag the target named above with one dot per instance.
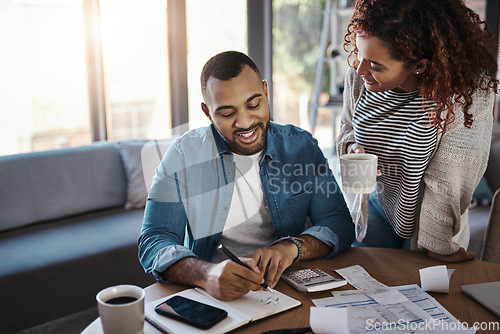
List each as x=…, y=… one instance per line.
x=259, y=16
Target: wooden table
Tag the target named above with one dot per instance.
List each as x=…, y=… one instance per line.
x=392, y=267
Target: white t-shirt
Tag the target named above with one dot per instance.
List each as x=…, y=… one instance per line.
x=248, y=225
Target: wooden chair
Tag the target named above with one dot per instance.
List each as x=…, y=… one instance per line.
x=491, y=244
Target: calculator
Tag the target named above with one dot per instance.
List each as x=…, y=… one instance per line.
x=312, y=280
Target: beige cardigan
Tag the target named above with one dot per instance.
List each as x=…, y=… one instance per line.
x=454, y=171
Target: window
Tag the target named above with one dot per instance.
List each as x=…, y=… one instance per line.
x=43, y=72
x=44, y=79
x=296, y=49
x=134, y=49
x=479, y=6
x=43, y=84
x=212, y=27
x=62, y=58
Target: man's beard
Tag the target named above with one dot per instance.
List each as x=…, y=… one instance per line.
x=237, y=147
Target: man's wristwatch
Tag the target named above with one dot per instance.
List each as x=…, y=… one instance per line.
x=297, y=241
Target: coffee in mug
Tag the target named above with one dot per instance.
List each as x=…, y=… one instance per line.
x=121, y=300
x=121, y=309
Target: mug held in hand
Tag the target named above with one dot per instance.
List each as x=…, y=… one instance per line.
x=358, y=172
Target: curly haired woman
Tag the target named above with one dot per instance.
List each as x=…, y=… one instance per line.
x=420, y=96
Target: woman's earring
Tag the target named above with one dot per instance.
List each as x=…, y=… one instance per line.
x=417, y=72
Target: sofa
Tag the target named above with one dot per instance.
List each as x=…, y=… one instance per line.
x=69, y=223
x=479, y=209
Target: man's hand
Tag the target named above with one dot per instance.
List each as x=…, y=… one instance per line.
x=228, y=280
x=460, y=256
x=225, y=281
x=274, y=260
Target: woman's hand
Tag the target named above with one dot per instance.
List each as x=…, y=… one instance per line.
x=355, y=148
x=460, y=256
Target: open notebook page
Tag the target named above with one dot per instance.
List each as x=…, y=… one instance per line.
x=258, y=304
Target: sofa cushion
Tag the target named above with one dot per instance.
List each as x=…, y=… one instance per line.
x=52, y=243
x=140, y=158
x=55, y=269
x=492, y=172
x=482, y=195
x=478, y=221
x=42, y=186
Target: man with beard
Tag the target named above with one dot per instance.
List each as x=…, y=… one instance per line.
x=263, y=190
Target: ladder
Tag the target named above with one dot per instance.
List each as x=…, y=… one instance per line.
x=329, y=36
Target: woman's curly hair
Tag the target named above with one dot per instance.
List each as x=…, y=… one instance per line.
x=461, y=50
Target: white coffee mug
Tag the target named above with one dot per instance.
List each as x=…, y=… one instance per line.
x=121, y=309
x=358, y=172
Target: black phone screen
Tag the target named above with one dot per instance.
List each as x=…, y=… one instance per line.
x=191, y=312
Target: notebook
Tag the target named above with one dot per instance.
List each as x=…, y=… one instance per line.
x=253, y=306
x=487, y=294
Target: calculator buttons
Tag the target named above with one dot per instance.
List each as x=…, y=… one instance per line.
x=312, y=280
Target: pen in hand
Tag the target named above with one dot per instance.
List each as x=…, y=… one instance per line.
x=234, y=258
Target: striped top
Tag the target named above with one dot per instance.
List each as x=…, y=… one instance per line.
x=396, y=128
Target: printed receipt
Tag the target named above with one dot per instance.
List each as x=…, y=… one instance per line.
x=436, y=278
x=362, y=281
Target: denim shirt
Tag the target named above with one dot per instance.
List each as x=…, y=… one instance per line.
x=192, y=190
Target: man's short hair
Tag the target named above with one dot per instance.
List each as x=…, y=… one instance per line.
x=225, y=66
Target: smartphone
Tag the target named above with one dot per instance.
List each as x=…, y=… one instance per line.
x=191, y=312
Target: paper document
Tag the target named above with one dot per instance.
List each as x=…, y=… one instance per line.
x=436, y=278
x=333, y=320
x=420, y=313
x=320, y=319
x=361, y=280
